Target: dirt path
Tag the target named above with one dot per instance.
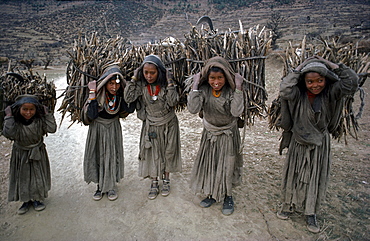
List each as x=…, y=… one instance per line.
x=71, y=214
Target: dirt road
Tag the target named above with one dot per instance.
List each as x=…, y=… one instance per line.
x=71, y=214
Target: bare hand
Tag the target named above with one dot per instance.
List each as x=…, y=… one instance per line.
x=300, y=67
x=327, y=62
x=196, y=81
x=8, y=111
x=238, y=81
x=92, y=85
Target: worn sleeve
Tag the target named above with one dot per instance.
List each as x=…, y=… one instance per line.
x=288, y=86
x=237, y=103
x=172, y=96
x=195, y=101
x=132, y=91
x=51, y=125
x=348, y=83
x=9, y=127
x=92, y=109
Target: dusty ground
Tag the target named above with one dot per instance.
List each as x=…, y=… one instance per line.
x=71, y=214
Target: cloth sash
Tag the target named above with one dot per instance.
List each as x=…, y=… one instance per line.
x=218, y=130
x=156, y=121
x=34, y=150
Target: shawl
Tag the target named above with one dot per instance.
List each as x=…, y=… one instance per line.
x=154, y=59
x=222, y=64
x=108, y=73
x=23, y=99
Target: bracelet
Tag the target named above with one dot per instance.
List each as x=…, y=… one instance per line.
x=92, y=98
x=134, y=78
x=92, y=92
x=195, y=90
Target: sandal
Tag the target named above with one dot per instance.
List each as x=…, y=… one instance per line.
x=153, y=193
x=165, y=188
x=112, y=195
x=98, y=195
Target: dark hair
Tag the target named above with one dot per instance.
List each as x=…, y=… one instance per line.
x=16, y=109
x=161, y=79
x=302, y=82
x=120, y=90
x=216, y=70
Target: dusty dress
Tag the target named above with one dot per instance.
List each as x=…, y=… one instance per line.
x=29, y=175
x=160, y=149
x=104, y=157
x=307, y=129
x=218, y=164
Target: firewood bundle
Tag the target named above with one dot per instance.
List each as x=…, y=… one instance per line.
x=13, y=84
x=337, y=53
x=246, y=52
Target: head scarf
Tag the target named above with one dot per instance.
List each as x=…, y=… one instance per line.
x=154, y=59
x=319, y=67
x=109, y=72
x=23, y=99
x=222, y=64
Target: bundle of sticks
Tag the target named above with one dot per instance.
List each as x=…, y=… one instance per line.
x=245, y=50
x=13, y=84
x=335, y=52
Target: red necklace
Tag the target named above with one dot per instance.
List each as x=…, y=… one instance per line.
x=111, y=102
x=155, y=94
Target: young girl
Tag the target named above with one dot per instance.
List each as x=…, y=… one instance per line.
x=217, y=92
x=152, y=86
x=103, y=160
x=26, y=123
x=313, y=94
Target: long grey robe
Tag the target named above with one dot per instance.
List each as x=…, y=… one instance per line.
x=160, y=149
x=29, y=172
x=218, y=163
x=307, y=165
x=104, y=158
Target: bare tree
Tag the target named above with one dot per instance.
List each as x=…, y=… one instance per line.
x=274, y=23
x=48, y=60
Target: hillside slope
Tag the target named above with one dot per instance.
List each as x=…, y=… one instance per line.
x=30, y=29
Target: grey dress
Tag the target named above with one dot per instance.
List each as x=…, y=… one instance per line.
x=307, y=165
x=29, y=173
x=218, y=164
x=160, y=149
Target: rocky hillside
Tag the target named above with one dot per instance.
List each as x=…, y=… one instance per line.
x=40, y=29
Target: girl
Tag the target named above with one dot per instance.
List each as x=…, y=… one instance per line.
x=217, y=92
x=103, y=160
x=26, y=123
x=152, y=86
x=313, y=96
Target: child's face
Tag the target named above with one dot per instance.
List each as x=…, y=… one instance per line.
x=112, y=86
x=28, y=110
x=150, y=72
x=315, y=83
x=216, y=80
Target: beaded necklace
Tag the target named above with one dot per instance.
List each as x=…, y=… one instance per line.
x=111, y=104
x=216, y=93
x=155, y=94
